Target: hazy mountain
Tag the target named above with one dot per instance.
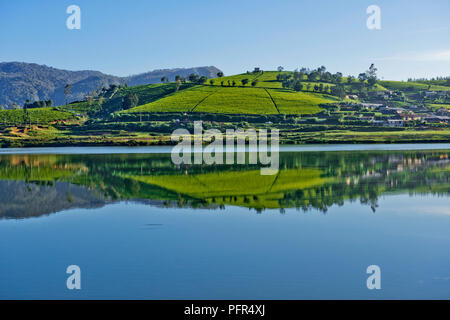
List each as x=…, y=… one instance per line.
x=20, y=81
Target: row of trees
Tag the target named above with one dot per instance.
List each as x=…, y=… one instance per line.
x=319, y=74
x=296, y=80
x=233, y=83
x=38, y=104
x=193, y=77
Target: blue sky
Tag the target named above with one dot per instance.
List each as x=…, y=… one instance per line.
x=129, y=37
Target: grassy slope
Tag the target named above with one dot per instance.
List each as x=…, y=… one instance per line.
x=36, y=115
x=439, y=105
x=182, y=101
x=404, y=86
x=289, y=102
x=239, y=99
x=145, y=94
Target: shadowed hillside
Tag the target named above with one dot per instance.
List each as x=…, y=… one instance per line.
x=21, y=81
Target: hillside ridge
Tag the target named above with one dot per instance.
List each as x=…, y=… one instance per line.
x=21, y=81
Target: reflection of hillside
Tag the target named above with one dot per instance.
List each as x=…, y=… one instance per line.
x=22, y=200
x=247, y=188
x=37, y=168
x=306, y=180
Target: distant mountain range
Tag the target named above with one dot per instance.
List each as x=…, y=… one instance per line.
x=20, y=81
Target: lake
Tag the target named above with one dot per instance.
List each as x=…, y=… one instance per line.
x=140, y=227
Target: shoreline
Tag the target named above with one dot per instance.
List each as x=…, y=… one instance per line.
x=283, y=148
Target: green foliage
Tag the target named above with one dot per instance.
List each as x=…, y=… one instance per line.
x=131, y=100
x=338, y=91
x=411, y=86
x=144, y=93
x=35, y=115
x=237, y=100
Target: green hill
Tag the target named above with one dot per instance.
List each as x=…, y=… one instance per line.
x=113, y=99
x=220, y=96
x=35, y=115
x=412, y=86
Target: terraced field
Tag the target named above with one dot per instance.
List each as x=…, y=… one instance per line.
x=35, y=115
x=238, y=100
x=289, y=102
x=402, y=85
x=183, y=101
x=248, y=100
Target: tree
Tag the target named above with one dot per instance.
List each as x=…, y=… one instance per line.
x=254, y=82
x=90, y=100
x=131, y=100
x=280, y=69
x=177, y=77
x=193, y=77
x=26, y=116
x=298, y=86
x=337, y=77
x=362, y=77
x=297, y=75
x=211, y=82
x=202, y=79
x=164, y=79
x=350, y=79
x=234, y=83
x=287, y=84
x=321, y=69
x=178, y=84
x=220, y=74
x=313, y=76
x=67, y=89
x=371, y=75
x=244, y=81
x=338, y=91
x=101, y=99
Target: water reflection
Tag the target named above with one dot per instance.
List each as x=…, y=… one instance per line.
x=34, y=185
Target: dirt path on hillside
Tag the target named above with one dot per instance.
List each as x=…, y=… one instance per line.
x=276, y=107
x=209, y=95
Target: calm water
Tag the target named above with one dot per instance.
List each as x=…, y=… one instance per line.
x=141, y=228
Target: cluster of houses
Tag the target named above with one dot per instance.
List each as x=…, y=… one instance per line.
x=436, y=94
x=387, y=94
x=399, y=117
x=386, y=116
x=395, y=94
x=380, y=95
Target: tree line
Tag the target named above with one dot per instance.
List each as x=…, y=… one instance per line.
x=301, y=80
